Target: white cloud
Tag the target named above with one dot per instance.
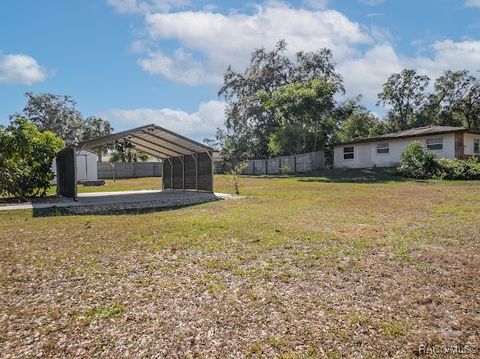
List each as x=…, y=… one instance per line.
x=20, y=69
x=366, y=74
x=138, y=6
x=472, y=3
x=209, y=42
x=181, y=67
x=450, y=55
x=198, y=125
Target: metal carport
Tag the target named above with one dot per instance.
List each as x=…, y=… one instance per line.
x=187, y=164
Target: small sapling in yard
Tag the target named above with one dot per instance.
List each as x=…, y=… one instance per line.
x=234, y=174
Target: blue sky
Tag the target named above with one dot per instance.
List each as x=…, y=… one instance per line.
x=140, y=61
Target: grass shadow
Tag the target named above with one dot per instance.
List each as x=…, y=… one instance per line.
x=363, y=175
x=49, y=198
x=92, y=210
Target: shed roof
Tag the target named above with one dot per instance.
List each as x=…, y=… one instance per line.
x=414, y=132
x=151, y=139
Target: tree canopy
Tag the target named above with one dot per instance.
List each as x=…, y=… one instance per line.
x=58, y=114
x=457, y=95
x=404, y=95
x=303, y=112
x=357, y=122
x=125, y=153
x=96, y=127
x=454, y=100
x=55, y=113
x=246, y=116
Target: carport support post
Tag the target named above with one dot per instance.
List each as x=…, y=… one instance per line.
x=163, y=176
x=210, y=154
x=75, y=172
x=196, y=171
x=171, y=172
x=183, y=172
x=59, y=175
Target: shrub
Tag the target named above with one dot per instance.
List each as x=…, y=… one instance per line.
x=26, y=156
x=459, y=169
x=285, y=170
x=418, y=163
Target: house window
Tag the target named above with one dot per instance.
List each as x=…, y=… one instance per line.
x=348, y=153
x=435, y=144
x=383, y=149
x=476, y=146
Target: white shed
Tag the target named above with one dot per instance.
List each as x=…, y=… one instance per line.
x=86, y=167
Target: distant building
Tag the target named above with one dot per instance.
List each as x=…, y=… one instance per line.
x=386, y=150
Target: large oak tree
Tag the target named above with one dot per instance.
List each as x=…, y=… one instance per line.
x=246, y=118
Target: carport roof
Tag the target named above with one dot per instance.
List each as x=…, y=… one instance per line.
x=151, y=139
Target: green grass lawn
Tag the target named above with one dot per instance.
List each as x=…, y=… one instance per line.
x=339, y=264
x=131, y=184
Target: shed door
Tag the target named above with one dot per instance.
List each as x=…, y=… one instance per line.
x=81, y=168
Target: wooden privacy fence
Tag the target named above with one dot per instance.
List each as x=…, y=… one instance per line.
x=305, y=162
x=107, y=170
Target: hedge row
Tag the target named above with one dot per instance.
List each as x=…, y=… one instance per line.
x=418, y=163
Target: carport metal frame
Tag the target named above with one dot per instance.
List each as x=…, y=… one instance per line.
x=155, y=141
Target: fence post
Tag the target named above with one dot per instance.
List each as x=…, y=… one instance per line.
x=294, y=163
x=266, y=166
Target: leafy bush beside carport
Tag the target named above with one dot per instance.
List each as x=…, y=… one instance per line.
x=26, y=156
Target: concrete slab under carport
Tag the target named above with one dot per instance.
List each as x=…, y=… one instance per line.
x=100, y=202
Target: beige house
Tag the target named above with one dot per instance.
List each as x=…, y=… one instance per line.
x=386, y=150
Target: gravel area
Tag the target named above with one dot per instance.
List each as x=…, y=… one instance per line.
x=143, y=206
x=113, y=202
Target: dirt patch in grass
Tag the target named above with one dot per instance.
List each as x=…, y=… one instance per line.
x=297, y=269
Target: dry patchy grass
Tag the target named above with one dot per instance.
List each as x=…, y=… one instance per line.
x=300, y=268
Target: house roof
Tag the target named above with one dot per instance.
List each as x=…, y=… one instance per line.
x=414, y=132
x=151, y=139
